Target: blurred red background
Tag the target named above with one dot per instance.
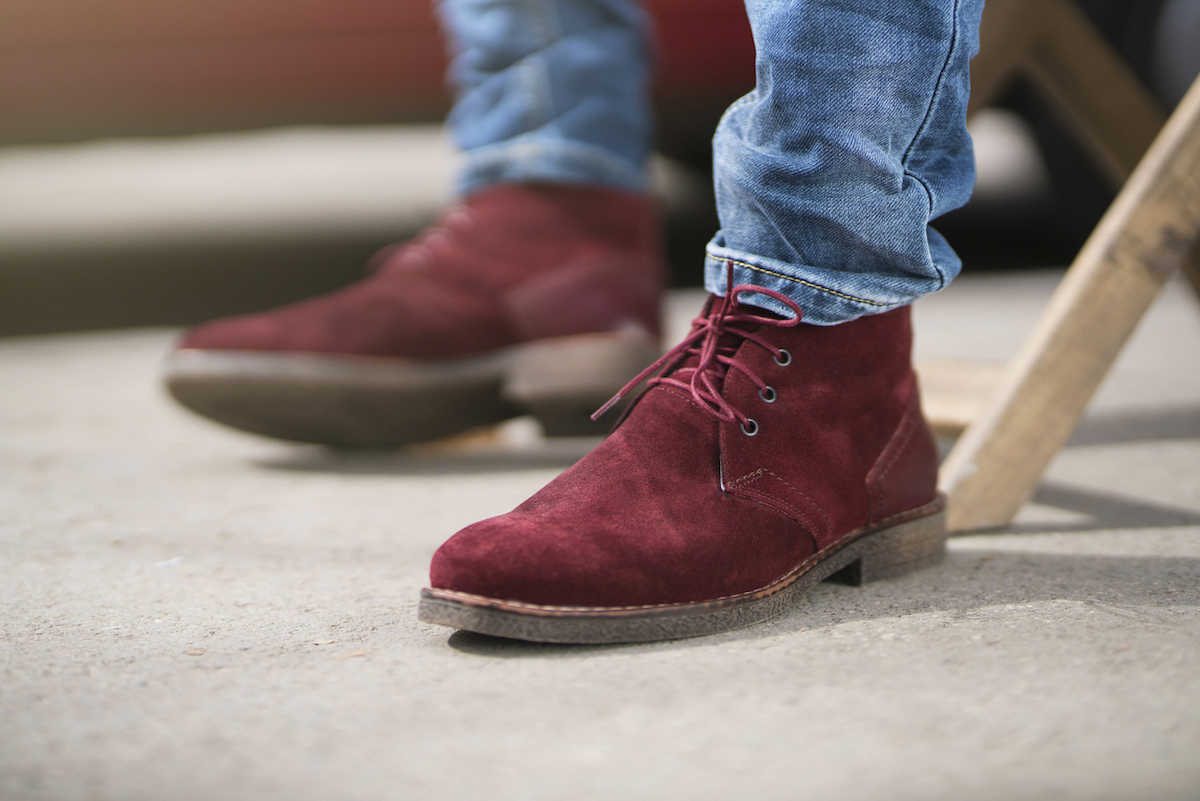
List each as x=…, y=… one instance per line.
x=77, y=69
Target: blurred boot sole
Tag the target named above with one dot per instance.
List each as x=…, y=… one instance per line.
x=374, y=401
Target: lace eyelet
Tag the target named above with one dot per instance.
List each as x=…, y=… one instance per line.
x=783, y=358
x=768, y=394
x=750, y=427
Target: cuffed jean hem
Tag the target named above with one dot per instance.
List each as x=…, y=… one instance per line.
x=819, y=293
x=534, y=159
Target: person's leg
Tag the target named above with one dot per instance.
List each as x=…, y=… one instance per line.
x=550, y=90
x=538, y=293
x=828, y=173
x=769, y=452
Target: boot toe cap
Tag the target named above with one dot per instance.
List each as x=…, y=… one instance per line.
x=516, y=558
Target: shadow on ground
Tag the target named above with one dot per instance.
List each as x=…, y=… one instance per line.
x=1105, y=511
x=1143, y=589
x=1142, y=425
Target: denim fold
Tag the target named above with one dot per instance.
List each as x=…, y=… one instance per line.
x=550, y=90
x=827, y=175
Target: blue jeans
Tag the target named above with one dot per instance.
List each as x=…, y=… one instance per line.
x=827, y=174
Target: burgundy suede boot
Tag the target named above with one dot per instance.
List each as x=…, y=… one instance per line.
x=525, y=298
x=766, y=456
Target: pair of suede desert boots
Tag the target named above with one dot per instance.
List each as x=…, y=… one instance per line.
x=763, y=455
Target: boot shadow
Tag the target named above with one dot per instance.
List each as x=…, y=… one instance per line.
x=972, y=577
x=966, y=581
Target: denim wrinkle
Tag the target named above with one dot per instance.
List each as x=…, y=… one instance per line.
x=827, y=174
x=550, y=90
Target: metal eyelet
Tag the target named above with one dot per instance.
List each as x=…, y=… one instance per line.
x=768, y=394
x=750, y=427
x=783, y=358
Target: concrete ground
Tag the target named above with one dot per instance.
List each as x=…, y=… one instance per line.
x=190, y=613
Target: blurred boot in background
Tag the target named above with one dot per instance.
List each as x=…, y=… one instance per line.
x=537, y=294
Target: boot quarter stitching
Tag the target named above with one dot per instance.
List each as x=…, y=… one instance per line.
x=786, y=508
x=908, y=428
x=762, y=471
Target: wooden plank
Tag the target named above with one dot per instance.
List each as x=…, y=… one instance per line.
x=1140, y=242
x=1099, y=97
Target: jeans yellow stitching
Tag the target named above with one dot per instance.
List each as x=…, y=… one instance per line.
x=809, y=284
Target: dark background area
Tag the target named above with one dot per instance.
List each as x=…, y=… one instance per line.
x=68, y=74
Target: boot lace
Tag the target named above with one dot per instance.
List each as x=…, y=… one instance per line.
x=715, y=338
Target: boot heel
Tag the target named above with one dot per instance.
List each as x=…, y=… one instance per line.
x=898, y=550
x=562, y=381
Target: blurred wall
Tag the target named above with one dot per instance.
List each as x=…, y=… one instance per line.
x=79, y=69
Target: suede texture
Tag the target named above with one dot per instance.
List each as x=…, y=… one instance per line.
x=676, y=506
x=510, y=264
x=838, y=404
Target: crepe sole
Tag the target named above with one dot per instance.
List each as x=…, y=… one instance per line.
x=367, y=401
